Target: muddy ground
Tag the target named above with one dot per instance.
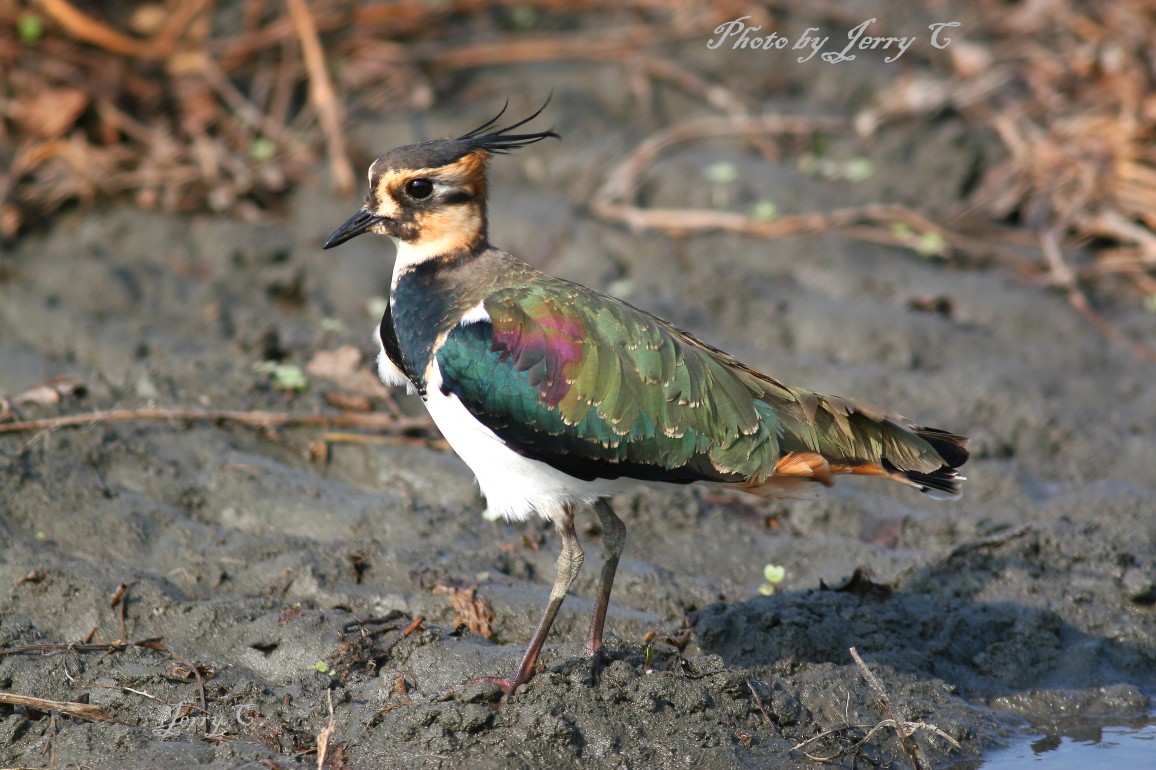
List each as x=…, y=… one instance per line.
x=289, y=581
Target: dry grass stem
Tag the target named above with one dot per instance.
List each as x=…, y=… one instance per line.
x=85, y=711
x=255, y=419
x=322, y=96
x=903, y=729
x=326, y=734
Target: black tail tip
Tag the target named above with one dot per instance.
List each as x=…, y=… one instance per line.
x=943, y=484
x=951, y=447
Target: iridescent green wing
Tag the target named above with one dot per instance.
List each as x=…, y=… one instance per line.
x=600, y=389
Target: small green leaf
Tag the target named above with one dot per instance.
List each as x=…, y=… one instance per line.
x=262, y=149
x=523, y=17
x=321, y=667
x=287, y=377
x=773, y=574
x=926, y=244
x=931, y=244
x=375, y=307
x=722, y=172
x=30, y=28
x=858, y=169
x=854, y=170
x=765, y=211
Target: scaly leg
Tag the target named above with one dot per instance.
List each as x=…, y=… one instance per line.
x=613, y=539
x=569, y=563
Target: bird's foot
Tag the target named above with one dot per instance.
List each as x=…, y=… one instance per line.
x=599, y=660
x=507, y=684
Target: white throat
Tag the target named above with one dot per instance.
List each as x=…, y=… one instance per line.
x=410, y=255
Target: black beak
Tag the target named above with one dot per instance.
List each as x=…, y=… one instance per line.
x=353, y=227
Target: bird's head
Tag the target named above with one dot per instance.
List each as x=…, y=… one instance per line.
x=431, y=196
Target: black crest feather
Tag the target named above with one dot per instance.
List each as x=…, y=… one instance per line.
x=501, y=140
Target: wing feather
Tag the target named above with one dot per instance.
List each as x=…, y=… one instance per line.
x=598, y=388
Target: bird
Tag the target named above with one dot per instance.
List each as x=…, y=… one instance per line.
x=559, y=397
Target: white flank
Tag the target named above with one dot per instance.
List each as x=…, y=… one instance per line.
x=386, y=370
x=514, y=486
x=476, y=314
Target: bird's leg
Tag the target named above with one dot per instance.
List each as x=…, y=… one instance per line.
x=613, y=539
x=569, y=563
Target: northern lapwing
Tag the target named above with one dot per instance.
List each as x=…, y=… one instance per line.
x=558, y=396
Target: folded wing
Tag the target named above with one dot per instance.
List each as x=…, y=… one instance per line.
x=600, y=389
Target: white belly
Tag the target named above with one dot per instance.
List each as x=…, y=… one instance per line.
x=514, y=486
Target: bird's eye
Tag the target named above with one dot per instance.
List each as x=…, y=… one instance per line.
x=419, y=188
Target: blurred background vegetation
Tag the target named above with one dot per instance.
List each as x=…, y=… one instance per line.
x=224, y=105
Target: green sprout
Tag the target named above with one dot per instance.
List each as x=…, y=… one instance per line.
x=722, y=172
x=30, y=28
x=523, y=17
x=321, y=667
x=289, y=378
x=929, y=243
x=376, y=307
x=765, y=211
x=262, y=149
x=773, y=574
x=857, y=169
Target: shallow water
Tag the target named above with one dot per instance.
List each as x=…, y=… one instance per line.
x=1102, y=745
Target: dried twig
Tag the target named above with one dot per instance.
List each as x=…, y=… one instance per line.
x=414, y=626
x=1064, y=277
x=255, y=419
x=388, y=708
x=903, y=729
x=120, y=601
x=910, y=747
x=759, y=703
x=326, y=734
x=322, y=96
x=624, y=179
x=195, y=670
x=90, y=30
x=26, y=649
x=988, y=541
x=613, y=201
x=85, y=711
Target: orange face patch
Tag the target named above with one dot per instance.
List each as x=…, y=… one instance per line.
x=448, y=230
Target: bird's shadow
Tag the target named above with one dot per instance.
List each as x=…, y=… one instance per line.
x=934, y=626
